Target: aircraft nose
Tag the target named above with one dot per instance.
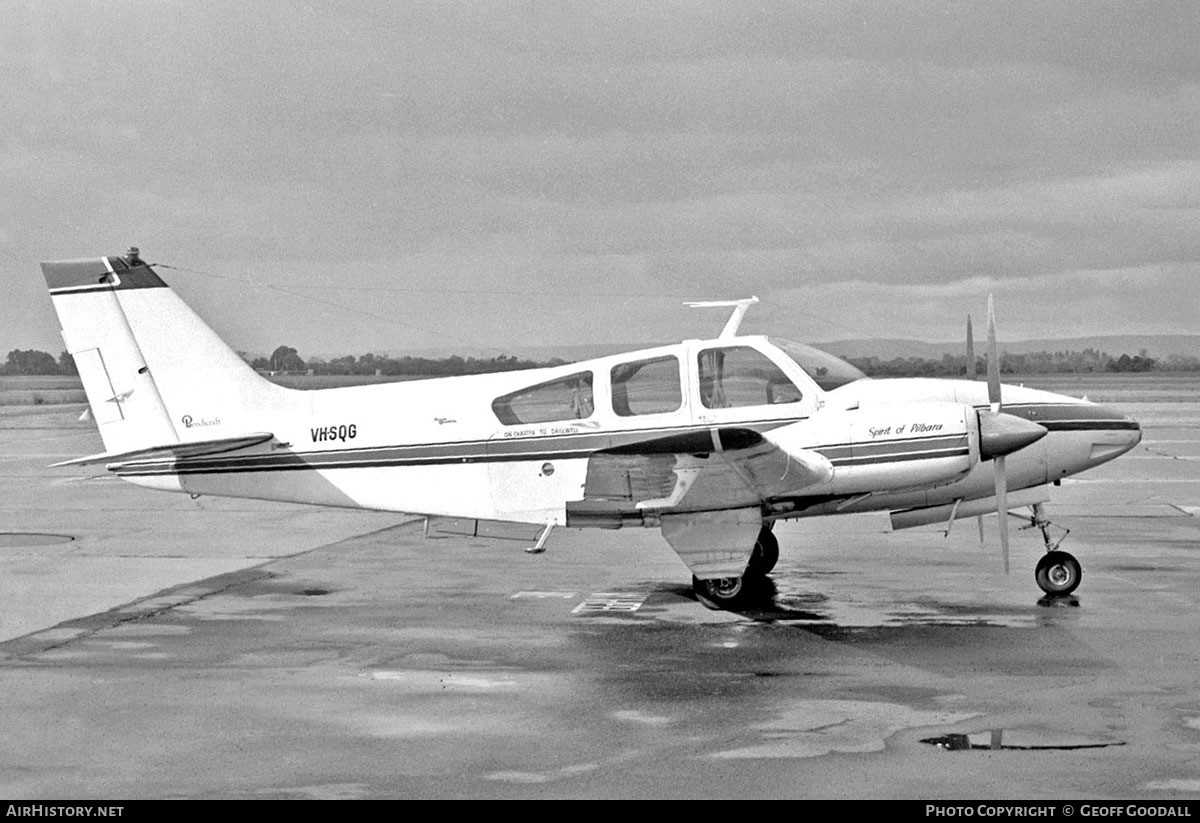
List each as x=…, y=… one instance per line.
x=1001, y=434
x=1135, y=433
x=1113, y=434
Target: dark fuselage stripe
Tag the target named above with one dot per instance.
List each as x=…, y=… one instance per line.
x=304, y=465
x=901, y=457
x=582, y=445
x=916, y=448
x=839, y=450
x=1071, y=416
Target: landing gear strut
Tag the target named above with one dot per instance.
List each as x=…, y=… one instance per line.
x=1058, y=573
x=732, y=592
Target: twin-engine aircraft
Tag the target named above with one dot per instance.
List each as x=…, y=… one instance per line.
x=710, y=441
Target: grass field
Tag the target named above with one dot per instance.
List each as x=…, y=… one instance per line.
x=40, y=391
x=52, y=390
x=1149, y=387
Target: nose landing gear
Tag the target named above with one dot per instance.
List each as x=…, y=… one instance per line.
x=1057, y=573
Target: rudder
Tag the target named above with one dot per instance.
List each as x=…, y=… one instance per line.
x=154, y=372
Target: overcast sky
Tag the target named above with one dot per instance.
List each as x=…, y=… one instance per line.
x=345, y=176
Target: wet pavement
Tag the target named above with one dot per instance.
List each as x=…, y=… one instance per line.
x=207, y=648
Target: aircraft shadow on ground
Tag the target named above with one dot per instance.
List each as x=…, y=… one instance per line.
x=772, y=604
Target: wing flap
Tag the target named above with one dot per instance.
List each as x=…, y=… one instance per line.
x=195, y=448
x=696, y=471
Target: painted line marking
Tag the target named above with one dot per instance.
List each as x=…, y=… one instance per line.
x=610, y=602
x=545, y=596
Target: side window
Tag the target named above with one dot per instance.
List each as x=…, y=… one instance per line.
x=646, y=387
x=741, y=376
x=568, y=398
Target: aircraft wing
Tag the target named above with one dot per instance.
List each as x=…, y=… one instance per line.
x=195, y=448
x=701, y=471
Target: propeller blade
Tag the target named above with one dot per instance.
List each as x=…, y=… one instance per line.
x=993, y=380
x=970, y=351
x=993, y=358
x=1002, y=507
x=972, y=373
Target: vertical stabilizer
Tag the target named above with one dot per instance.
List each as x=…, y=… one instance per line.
x=153, y=371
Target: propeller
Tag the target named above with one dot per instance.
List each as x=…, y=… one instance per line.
x=993, y=382
x=993, y=358
x=1000, y=434
x=971, y=376
x=970, y=351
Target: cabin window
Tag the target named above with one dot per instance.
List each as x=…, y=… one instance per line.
x=568, y=398
x=827, y=371
x=737, y=376
x=646, y=387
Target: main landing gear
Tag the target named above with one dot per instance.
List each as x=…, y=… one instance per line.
x=1058, y=573
x=733, y=592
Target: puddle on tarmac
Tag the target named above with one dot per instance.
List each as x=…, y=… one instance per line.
x=1019, y=740
x=24, y=540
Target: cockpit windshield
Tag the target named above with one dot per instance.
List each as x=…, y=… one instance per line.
x=827, y=371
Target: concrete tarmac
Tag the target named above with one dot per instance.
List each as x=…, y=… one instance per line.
x=156, y=646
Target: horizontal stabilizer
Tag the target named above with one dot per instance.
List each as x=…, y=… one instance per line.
x=195, y=448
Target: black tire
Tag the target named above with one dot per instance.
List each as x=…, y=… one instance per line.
x=721, y=593
x=1058, y=573
x=765, y=555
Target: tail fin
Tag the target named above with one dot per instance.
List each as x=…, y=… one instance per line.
x=154, y=373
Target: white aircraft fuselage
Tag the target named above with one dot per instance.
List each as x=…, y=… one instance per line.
x=435, y=446
x=711, y=440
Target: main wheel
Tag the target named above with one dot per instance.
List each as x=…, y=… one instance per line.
x=721, y=593
x=765, y=556
x=1058, y=573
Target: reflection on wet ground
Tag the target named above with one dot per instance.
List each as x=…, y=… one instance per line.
x=795, y=599
x=1020, y=740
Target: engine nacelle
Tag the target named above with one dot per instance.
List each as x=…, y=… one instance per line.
x=888, y=447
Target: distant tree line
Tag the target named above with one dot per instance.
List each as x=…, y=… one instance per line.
x=32, y=361
x=1072, y=362
x=287, y=359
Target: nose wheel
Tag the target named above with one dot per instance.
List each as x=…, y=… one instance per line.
x=1058, y=573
